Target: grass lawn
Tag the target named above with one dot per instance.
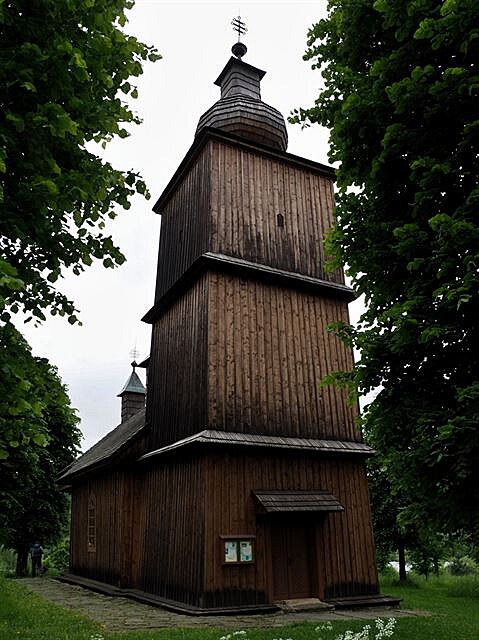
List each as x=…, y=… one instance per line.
x=28, y=617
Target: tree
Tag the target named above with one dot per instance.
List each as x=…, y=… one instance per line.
x=65, y=68
x=401, y=101
x=425, y=546
x=32, y=507
x=386, y=508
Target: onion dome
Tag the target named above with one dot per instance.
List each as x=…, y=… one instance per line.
x=240, y=109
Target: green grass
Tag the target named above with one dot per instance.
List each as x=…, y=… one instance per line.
x=28, y=617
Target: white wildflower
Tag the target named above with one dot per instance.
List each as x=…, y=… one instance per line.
x=384, y=629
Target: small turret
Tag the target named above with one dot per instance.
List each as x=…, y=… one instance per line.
x=132, y=395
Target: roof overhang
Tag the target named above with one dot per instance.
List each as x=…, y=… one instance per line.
x=296, y=502
x=234, y=62
x=246, y=269
x=211, y=437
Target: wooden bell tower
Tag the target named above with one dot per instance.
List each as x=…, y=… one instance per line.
x=254, y=481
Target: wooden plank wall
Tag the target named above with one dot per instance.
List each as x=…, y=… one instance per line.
x=176, y=405
x=345, y=548
x=172, y=559
x=184, y=224
x=268, y=350
x=104, y=563
x=248, y=190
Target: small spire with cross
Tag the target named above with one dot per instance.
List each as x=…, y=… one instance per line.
x=134, y=353
x=239, y=48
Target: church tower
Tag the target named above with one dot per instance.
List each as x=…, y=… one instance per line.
x=255, y=488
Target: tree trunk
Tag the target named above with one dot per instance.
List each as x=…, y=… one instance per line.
x=22, y=562
x=436, y=567
x=402, y=562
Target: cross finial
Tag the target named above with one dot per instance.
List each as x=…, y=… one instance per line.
x=134, y=353
x=239, y=49
x=239, y=26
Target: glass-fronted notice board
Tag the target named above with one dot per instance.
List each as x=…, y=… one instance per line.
x=237, y=550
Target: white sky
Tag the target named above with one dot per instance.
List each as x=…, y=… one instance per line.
x=195, y=40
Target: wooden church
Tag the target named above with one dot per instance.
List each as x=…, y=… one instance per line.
x=241, y=482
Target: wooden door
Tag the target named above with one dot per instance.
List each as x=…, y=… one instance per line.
x=292, y=559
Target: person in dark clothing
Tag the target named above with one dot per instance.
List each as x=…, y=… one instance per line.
x=36, y=553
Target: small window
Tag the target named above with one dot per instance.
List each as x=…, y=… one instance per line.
x=280, y=220
x=91, y=532
x=237, y=549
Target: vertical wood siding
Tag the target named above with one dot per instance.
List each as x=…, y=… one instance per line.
x=104, y=563
x=229, y=201
x=268, y=351
x=172, y=558
x=184, y=224
x=344, y=544
x=249, y=190
x=176, y=404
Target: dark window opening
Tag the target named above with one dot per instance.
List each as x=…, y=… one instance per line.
x=91, y=530
x=280, y=220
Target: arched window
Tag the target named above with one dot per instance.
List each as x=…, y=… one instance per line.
x=280, y=220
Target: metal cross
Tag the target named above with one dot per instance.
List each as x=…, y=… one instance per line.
x=239, y=26
x=134, y=353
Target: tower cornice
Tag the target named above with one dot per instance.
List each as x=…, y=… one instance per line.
x=246, y=269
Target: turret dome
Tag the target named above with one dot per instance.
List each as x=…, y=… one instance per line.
x=240, y=109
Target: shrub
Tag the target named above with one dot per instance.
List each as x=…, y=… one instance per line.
x=462, y=566
x=57, y=557
x=7, y=562
x=464, y=587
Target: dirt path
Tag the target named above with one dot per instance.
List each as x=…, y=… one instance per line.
x=122, y=614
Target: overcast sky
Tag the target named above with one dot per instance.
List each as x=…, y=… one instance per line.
x=195, y=40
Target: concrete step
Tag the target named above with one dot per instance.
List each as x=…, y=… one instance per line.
x=304, y=604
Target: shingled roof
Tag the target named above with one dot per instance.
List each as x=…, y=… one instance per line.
x=111, y=444
x=214, y=437
x=133, y=384
x=296, y=501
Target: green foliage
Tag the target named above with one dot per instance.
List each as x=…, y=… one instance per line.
x=401, y=102
x=385, y=509
x=65, y=67
x=465, y=587
x=462, y=566
x=461, y=560
x=22, y=420
x=7, y=562
x=32, y=507
x=57, y=556
x=426, y=548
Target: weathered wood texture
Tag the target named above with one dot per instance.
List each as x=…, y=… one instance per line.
x=144, y=516
x=185, y=226
x=241, y=355
x=343, y=550
x=249, y=190
x=177, y=395
x=172, y=555
x=228, y=202
x=268, y=351
x=104, y=563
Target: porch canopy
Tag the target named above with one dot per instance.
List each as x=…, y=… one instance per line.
x=296, y=501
